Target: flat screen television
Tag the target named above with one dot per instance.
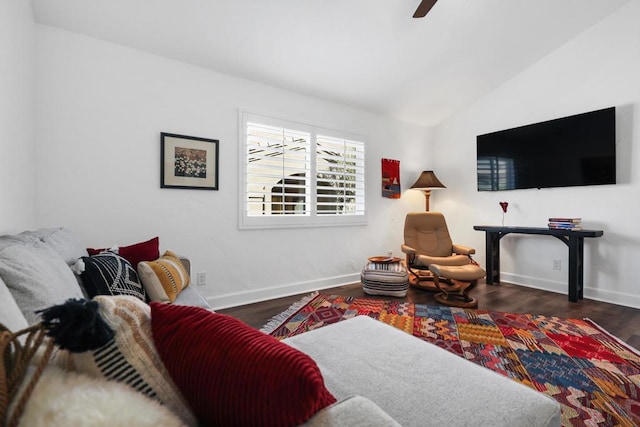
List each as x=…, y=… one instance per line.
x=570, y=151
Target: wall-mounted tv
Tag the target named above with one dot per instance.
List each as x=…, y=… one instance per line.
x=570, y=151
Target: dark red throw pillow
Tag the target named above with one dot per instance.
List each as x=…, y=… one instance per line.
x=232, y=374
x=143, y=251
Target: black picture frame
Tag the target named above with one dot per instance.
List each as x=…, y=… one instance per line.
x=188, y=162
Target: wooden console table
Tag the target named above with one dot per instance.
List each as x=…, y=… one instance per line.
x=573, y=239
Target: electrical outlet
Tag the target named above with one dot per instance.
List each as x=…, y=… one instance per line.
x=202, y=279
x=557, y=265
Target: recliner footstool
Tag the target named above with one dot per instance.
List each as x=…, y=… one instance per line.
x=464, y=277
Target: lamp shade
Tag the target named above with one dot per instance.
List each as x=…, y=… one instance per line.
x=427, y=181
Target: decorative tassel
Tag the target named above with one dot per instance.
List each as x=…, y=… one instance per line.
x=79, y=267
x=76, y=325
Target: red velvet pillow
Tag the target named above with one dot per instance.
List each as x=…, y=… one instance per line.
x=232, y=374
x=143, y=251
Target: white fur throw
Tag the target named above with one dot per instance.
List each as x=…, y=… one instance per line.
x=72, y=399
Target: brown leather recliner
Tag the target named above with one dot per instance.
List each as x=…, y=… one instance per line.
x=427, y=241
x=432, y=258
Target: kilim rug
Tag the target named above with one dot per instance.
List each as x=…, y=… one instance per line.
x=594, y=376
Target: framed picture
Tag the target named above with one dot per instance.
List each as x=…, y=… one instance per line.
x=188, y=162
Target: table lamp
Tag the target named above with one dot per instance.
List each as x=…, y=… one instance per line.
x=426, y=182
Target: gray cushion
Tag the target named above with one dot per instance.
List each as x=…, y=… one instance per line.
x=17, y=239
x=355, y=411
x=191, y=296
x=418, y=383
x=60, y=239
x=65, y=243
x=37, y=277
x=10, y=314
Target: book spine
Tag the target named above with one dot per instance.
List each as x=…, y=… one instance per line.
x=564, y=224
x=571, y=220
x=565, y=227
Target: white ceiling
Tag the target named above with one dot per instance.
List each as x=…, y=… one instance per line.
x=370, y=54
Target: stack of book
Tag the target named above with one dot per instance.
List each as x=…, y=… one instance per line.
x=565, y=223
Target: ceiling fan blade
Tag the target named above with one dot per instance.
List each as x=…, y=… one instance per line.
x=424, y=8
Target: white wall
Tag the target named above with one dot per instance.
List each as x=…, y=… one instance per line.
x=100, y=110
x=17, y=54
x=598, y=69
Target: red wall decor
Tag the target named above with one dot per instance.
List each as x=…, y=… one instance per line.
x=391, y=178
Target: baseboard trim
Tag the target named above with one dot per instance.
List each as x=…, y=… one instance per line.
x=603, y=295
x=258, y=295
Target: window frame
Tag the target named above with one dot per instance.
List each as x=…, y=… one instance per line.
x=312, y=219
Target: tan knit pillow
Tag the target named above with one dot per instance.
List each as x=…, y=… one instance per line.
x=130, y=357
x=164, y=278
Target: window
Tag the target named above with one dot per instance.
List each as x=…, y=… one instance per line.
x=297, y=175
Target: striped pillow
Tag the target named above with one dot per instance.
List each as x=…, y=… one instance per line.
x=130, y=357
x=164, y=278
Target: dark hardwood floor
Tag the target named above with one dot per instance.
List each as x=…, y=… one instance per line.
x=623, y=322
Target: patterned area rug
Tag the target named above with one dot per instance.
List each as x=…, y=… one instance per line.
x=594, y=376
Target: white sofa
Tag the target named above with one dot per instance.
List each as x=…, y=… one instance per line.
x=35, y=273
x=418, y=383
x=381, y=376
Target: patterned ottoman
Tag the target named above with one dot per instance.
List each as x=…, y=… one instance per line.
x=385, y=276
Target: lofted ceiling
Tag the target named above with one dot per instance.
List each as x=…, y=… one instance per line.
x=369, y=54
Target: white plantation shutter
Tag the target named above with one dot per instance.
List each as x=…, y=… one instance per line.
x=278, y=164
x=296, y=175
x=340, y=176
